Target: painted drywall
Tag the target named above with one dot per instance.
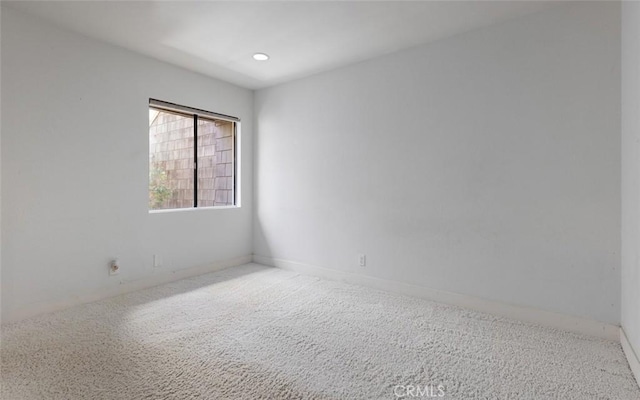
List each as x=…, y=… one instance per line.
x=75, y=168
x=0, y=172
x=631, y=173
x=486, y=164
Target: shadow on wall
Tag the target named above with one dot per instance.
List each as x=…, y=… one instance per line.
x=259, y=236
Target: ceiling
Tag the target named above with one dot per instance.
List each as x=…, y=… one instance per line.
x=302, y=37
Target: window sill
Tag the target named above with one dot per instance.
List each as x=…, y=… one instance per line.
x=172, y=210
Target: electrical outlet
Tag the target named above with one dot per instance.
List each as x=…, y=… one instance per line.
x=362, y=260
x=114, y=267
x=157, y=260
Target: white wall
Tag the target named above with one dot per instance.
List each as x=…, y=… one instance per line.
x=0, y=171
x=486, y=164
x=75, y=169
x=631, y=172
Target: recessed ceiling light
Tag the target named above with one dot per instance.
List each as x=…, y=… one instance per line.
x=260, y=57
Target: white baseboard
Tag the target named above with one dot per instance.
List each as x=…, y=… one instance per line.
x=528, y=314
x=632, y=355
x=35, y=309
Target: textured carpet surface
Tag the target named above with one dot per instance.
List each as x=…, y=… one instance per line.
x=253, y=332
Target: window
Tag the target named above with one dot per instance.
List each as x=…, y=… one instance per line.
x=192, y=157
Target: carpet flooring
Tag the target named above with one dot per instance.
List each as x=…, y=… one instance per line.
x=253, y=332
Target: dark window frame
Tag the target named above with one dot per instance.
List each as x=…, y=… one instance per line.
x=198, y=114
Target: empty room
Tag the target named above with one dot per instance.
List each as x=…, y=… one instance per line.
x=319, y=200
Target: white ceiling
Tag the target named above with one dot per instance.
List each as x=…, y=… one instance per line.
x=302, y=38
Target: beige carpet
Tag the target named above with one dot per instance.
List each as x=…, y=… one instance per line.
x=253, y=332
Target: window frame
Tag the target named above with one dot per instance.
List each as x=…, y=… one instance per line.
x=198, y=114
